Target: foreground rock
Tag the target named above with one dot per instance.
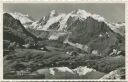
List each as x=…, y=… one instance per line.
x=116, y=74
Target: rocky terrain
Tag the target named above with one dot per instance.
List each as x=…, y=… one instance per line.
x=77, y=45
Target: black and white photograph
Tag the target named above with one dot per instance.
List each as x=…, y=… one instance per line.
x=64, y=41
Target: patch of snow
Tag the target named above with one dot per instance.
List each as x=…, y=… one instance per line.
x=85, y=47
x=113, y=52
x=60, y=69
x=52, y=13
x=64, y=69
x=67, y=52
x=100, y=35
x=43, y=71
x=26, y=45
x=119, y=25
x=98, y=17
x=63, y=22
x=106, y=32
x=94, y=52
x=118, y=52
x=34, y=23
x=55, y=36
x=79, y=45
x=83, y=70
x=52, y=71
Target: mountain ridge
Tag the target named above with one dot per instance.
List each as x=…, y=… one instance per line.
x=14, y=29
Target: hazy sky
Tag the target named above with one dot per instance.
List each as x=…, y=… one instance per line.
x=113, y=12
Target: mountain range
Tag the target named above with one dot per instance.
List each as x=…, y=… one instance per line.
x=79, y=31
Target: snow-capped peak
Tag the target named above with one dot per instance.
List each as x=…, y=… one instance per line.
x=81, y=14
x=98, y=17
x=23, y=18
x=84, y=14
x=52, y=21
x=62, y=18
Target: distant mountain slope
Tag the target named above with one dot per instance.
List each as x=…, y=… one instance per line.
x=14, y=30
x=96, y=35
x=81, y=27
x=119, y=28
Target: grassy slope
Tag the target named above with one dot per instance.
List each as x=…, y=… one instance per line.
x=37, y=59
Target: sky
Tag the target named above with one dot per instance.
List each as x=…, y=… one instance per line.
x=113, y=12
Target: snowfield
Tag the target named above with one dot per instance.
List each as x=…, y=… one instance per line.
x=23, y=18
